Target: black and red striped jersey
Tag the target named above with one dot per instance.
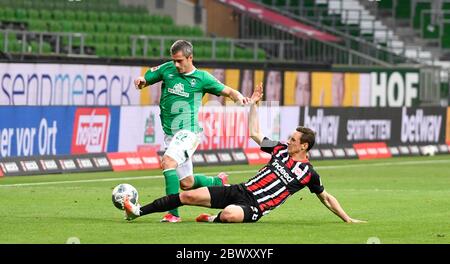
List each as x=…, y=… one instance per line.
x=281, y=177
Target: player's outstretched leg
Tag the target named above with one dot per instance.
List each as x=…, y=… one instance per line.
x=162, y=204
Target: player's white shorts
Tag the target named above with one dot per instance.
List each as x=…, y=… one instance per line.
x=181, y=147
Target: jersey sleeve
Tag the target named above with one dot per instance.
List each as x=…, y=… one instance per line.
x=212, y=85
x=315, y=184
x=271, y=146
x=155, y=74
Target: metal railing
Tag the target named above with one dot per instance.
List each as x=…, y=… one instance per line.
x=24, y=39
x=277, y=47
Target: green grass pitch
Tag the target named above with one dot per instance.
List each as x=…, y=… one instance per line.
x=404, y=200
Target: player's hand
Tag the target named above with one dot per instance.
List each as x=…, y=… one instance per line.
x=244, y=100
x=257, y=94
x=139, y=82
x=356, y=221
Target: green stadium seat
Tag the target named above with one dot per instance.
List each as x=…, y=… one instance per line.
x=151, y=29
x=59, y=15
x=116, y=17
x=33, y=14
x=37, y=25
x=429, y=30
x=20, y=14
x=111, y=39
x=101, y=38
x=89, y=27
x=67, y=26
x=167, y=20
x=45, y=14
x=8, y=14
x=55, y=26
x=111, y=51
x=123, y=39
x=101, y=27
x=100, y=50
x=70, y=15
x=420, y=6
x=81, y=15
x=104, y=17
x=196, y=32
x=14, y=45
x=114, y=27
x=261, y=54
x=93, y=16
x=124, y=50
x=385, y=4
x=128, y=18
x=222, y=52
x=89, y=40
x=403, y=9
x=445, y=40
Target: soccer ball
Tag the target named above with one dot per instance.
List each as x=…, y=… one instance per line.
x=120, y=191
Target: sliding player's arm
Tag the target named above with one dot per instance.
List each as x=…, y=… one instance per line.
x=333, y=205
x=253, y=120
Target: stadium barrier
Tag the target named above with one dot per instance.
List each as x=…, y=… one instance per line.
x=38, y=165
x=32, y=135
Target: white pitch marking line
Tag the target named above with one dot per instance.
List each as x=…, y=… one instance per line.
x=232, y=172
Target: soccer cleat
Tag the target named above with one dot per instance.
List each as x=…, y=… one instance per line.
x=170, y=218
x=131, y=211
x=224, y=178
x=205, y=218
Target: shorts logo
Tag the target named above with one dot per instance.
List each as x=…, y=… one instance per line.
x=91, y=130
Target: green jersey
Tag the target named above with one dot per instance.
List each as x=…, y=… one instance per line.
x=181, y=95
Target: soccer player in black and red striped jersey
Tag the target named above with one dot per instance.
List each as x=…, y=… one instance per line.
x=287, y=172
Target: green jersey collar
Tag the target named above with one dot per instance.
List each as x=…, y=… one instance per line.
x=191, y=72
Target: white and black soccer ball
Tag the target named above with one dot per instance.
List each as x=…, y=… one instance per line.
x=121, y=190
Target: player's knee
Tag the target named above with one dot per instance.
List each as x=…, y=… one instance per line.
x=185, y=186
x=187, y=197
x=187, y=183
x=231, y=215
x=168, y=163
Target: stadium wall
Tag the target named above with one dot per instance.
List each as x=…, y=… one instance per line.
x=61, y=139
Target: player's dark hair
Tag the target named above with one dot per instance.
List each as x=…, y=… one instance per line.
x=308, y=136
x=182, y=45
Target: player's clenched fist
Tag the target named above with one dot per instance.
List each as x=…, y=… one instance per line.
x=139, y=82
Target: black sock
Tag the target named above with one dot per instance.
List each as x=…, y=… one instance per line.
x=163, y=204
x=217, y=219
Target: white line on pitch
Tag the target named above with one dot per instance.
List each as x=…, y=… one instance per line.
x=232, y=172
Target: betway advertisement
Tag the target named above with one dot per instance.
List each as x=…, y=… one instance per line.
x=224, y=127
x=57, y=130
x=395, y=126
x=66, y=84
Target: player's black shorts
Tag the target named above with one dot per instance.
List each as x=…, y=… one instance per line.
x=236, y=194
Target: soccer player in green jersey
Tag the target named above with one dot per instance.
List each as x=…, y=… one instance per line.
x=182, y=90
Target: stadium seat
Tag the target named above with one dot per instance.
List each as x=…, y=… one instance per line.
x=37, y=25
x=59, y=15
